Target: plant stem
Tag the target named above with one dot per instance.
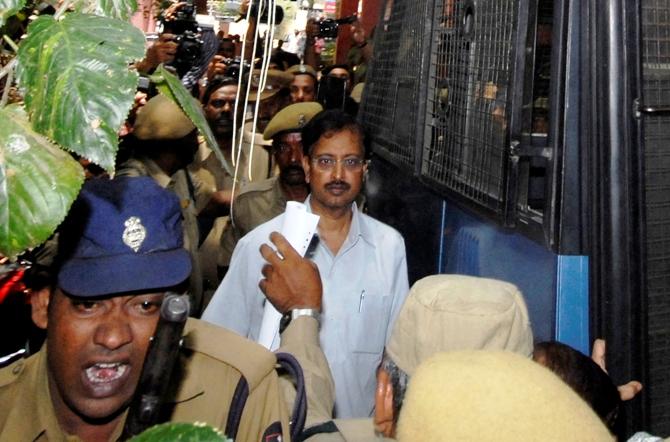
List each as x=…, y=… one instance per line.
x=8, y=68
x=11, y=43
x=63, y=7
x=8, y=85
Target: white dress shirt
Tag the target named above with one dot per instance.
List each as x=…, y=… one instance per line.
x=364, y=286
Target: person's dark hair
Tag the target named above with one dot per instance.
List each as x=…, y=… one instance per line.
x=399, y=380
x=328, y=69
x=327, y=123
x=583, y=375
x=215, y=85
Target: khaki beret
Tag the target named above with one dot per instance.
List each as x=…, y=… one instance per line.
x=493, y=396
x=276, y=80
x=459, y=312
x=161, y=119
x=302, y=69
x=357, y=92
x=292, y=118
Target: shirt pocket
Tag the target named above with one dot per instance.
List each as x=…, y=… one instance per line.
x=372, y=315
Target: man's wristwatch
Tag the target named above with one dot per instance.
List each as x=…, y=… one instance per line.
x=296, y=313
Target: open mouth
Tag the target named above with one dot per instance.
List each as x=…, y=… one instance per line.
x=106, y=372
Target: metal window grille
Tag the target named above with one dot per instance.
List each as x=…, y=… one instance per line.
x=656, y=92
x=466, y=124
x=393, y=86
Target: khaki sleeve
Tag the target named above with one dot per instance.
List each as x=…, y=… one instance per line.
x=265, y=415
x=301, y=339
x=202, y=191
x=229, y=239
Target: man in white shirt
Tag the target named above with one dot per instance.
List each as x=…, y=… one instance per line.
x=361, y=261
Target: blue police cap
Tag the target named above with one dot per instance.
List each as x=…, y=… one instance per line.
x=122, y=235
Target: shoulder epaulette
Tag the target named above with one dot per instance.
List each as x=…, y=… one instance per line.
x=253, y=361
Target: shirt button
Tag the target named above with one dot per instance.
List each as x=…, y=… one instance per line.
x=17, y=369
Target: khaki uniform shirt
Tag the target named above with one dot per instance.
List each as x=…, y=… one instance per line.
x=256, y=204
x=254, y=149
x=213, y=361
x=186, y=190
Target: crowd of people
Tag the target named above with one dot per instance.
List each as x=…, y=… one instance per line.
x=453, y=357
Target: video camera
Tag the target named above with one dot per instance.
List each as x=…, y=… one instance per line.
x=328, y=28
x=187, y=36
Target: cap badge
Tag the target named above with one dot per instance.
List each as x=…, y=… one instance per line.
x=134, y=233
x=302, y=68
x=302, y=120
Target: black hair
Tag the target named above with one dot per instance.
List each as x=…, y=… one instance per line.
x=215, y=85
x=328, y=69
x=399, y=381
x=583, y=375
x=328, y=122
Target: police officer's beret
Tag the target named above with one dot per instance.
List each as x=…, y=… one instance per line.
x=493, y=395
x=357, y=92
x=292, y=118
x=161, y=119
x=122, y=235
x=302, y=69
x=459, y=312
x=276, y=80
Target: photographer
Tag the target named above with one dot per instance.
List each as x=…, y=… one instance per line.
x=184, y=44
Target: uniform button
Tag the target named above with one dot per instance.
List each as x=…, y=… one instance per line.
x=17, y=369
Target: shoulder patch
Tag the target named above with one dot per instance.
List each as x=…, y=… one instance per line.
x=253, y=361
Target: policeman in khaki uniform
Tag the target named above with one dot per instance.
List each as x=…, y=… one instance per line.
x=260, y=202
x=120, y=251
x=270, y=100
x=441, y=313
x=303, y=86
x=165, y=143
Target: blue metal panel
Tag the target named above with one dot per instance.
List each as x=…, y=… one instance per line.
x=572, y=302
x=477, y=247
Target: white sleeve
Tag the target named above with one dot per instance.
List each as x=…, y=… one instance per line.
x=400, y=284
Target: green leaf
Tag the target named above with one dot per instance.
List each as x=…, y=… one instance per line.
x=170, y=86
x=121, y=9
x=9, y=8
x=182, y=432
x=38, y=182
x=78, y=85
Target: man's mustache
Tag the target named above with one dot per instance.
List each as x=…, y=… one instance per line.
x=293, y=168
x=338, y=184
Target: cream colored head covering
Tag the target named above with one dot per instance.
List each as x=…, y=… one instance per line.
x=458, y=312
x=357, y=92
x=493, y=396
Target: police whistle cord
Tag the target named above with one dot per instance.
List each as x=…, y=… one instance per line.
x=159, y=363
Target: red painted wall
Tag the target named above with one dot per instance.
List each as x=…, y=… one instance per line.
x=369, y=17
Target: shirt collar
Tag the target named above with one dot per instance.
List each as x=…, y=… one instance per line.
x=154, y=170
x=35, y=404
x=359, y=227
